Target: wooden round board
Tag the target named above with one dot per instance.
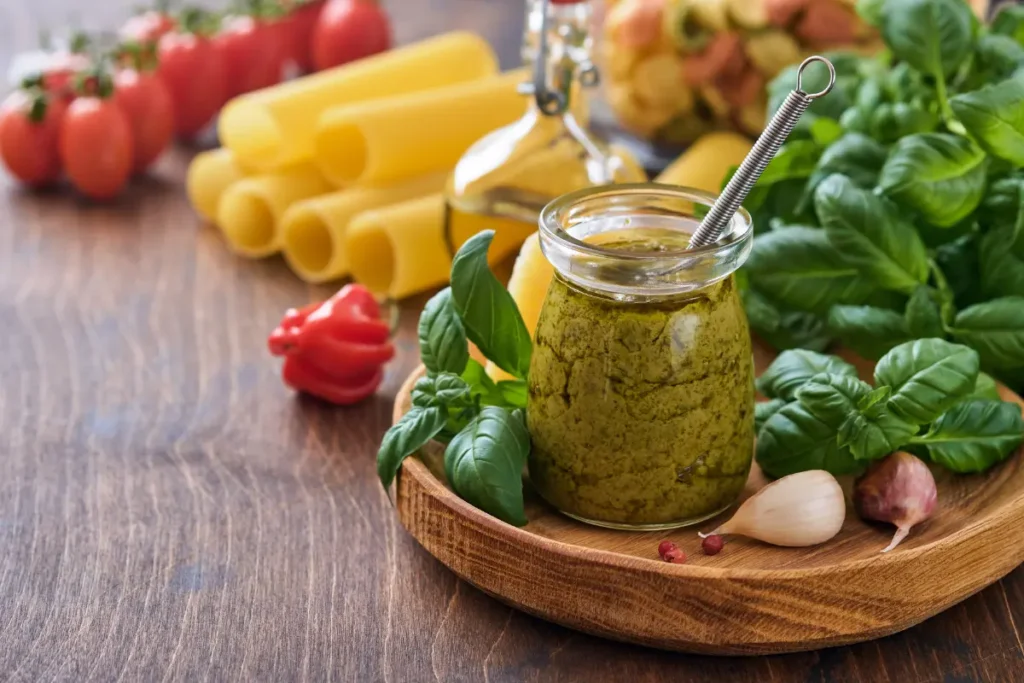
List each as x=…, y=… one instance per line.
x=749, y=599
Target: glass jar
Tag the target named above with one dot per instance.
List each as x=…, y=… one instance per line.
x=641, y=386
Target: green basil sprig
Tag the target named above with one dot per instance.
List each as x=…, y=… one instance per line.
x=896, y=212
x=457, y=402
x=929, y=396
x=933, y=36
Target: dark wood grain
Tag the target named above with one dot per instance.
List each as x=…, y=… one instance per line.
x=169, y=512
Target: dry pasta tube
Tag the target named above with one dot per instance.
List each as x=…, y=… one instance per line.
x=400, y=250
x=209, y=175
x=250, y=211
x=399, y=137
x=272, y=128
x=313, y=230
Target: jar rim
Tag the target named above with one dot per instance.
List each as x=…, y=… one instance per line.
x=555, y=213
x=567, y=222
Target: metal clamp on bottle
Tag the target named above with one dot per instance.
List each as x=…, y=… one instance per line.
x=553, y=99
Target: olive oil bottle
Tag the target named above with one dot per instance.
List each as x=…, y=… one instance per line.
x=506, y=178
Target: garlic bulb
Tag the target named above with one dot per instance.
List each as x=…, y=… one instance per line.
x=800, y=510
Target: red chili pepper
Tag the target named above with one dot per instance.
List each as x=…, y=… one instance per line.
x=335, y=349
x=302, y=377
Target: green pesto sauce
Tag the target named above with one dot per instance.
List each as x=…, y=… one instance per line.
x=641, y=413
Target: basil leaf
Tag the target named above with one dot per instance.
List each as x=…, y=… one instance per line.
x=784, y=329
x=856, y=120
x=892, y=121
x=904, y=83
x=825, y=131
x=924, y=314
x=793, y=440
x=795, y=159
x=996, y=330
x=870, y=437
x=994, y=116
x=933, y=36
x=941, y=176
x=780, y=204
x=484, y=464
x=856, y=156
x=832, y=398
x=995, y=59
x=1009, y=21
x=443, y=390
x=959, y=262
x=1002, y=266
x=488, y=312
x=1004, y=206
x=974, y=435
x=408, y=435
x=875, y=400
x=869, y=236
x=868, y=432
x=443, y=345
x=870, y=94
x=927, y=377
x=482, y=385
x=801, y=269
x=868, y=330
x=794, y=368
x=514, y=392
x=985, y=388
x=764, y=410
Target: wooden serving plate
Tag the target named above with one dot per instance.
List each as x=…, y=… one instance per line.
x=749, y=599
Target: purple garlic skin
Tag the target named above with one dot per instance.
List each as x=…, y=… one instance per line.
x=899, y=489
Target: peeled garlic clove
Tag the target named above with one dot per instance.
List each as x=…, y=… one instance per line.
x=803, y=509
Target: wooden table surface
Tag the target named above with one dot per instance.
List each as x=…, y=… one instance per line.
x=168, y=511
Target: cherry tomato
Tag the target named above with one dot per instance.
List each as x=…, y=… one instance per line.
x=194, y=71
x=299, y=25
x=147, y=27
x=147, y=106
x=252, y=51
x=29, y=133
x=348, y=30
x=58, y=75
x=96, y=146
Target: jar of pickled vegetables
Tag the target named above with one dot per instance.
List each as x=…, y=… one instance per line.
x=641, y=386
x=675, y=69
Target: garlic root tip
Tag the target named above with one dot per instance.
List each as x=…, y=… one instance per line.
x=901, y=533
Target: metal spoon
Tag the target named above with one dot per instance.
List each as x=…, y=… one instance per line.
x=764, y=150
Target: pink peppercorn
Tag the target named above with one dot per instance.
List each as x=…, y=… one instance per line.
x=670, y=552
x=712, y=545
